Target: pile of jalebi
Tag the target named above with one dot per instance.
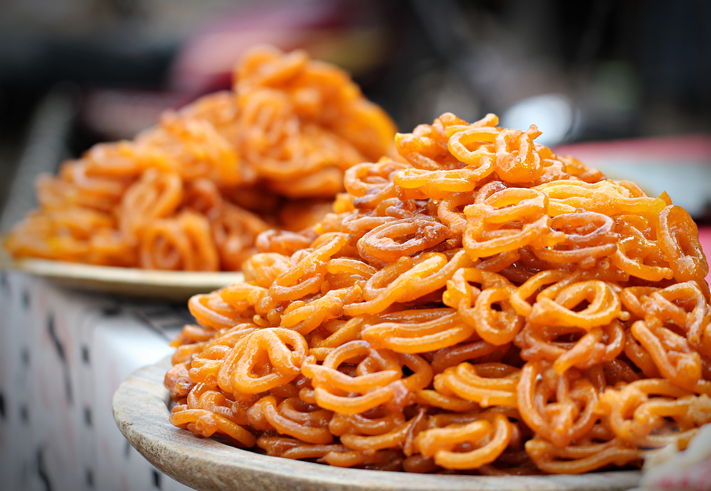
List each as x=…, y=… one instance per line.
x=193, y=192
x=487, y=307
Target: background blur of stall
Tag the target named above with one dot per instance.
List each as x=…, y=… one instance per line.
x=74, y=72
x=625, y=85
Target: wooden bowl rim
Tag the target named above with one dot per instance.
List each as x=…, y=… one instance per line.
x=140, y=408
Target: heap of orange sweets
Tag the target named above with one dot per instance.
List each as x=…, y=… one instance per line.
x=483, y=306
x=193, y=192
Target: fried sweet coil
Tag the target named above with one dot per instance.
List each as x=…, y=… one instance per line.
x=679, y=240
x=378, y=379
x=270, y=153
x=486, y=307
x=262, y=360
x=417, y=331
x=638, y=410
x=180, y=243
x=490, y=434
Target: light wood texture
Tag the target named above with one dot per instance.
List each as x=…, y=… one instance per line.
x=174, y=286
x=141, y=412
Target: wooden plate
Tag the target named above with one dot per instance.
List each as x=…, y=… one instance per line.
x=141, y=412
x=174, y=286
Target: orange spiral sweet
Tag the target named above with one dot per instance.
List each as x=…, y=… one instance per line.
x=270, y=153
x=487, y=307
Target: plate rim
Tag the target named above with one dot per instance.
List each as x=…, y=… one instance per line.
x=135, y=283
x=79, y=271
x=141, y=413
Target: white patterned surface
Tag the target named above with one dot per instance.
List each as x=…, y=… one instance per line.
x=62, y=356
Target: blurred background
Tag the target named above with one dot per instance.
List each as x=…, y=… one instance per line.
x=636, y=73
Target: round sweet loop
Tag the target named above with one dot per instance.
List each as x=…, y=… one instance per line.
x=464, y=381
x=154, y=195
x=205, y=423
x=480, y=242
x=418, y=337
x=516, y=158
x=212, y=311
x=246, y=370
x=671, y=354
x=422, y=149
x=382, y=245
x=604, y=306
x=571, y=416
x=305, y=276
x=405, y=279
x=678, y=237
x=607, y=197
x=371, y=179
x=490, y=436
x=377, y=379
x=639, y=411
x=588, y=237
x=439, y=184
x=578, y=459
x=460, y=141
x=181, y=243
x=597, y=346
x=511, y=204
x=307, y=426
x=448, y=214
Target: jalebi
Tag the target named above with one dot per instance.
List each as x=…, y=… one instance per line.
x=195, y=191
x=484, y=305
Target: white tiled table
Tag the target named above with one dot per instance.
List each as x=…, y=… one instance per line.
x=62, y=356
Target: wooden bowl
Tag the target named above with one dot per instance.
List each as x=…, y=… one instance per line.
x=141, y=412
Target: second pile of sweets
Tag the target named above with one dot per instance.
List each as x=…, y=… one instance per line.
x=482, y=306
x=193, y=192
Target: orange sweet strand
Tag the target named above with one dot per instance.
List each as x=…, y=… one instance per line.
x=194, y=192
x=487, y=306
